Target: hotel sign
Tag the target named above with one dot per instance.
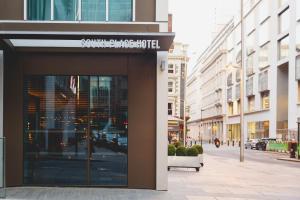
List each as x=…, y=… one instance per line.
x=120, y=44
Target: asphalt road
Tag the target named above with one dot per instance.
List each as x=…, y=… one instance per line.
x=250, y=155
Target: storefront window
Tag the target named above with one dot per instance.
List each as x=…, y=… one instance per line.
x=93, y=10
x=39, y=10
x=75, y=130
x=284, y=21
x=120, y=10
x=283, y=46
x=65, y=10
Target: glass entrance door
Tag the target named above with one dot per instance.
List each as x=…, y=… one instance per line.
x=75, y=130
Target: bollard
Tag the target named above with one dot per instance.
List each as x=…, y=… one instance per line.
x=233, y=143
x=239, y=143
x=227, y=142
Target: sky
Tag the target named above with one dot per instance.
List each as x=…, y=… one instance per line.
x=194, y=22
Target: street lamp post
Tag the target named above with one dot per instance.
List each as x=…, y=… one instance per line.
x=298, y=122
x=242, y=148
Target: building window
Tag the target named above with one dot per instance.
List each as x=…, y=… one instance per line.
x=39, y=10
x=263, y=81
x=229, y=80
x=249, y=87
x=120, y=10
x=251, y=103
x=65, y=10
x=265, y=100
x=250, y=43
x=171, y=69
x=264, y=32
x=238, y=106
x=297, y=10
x=238, y=91
x=282, y=3
x=230, y=108
x=229, y=95
x=249, y=65
x=263, y=59
x=298, y=91
x=283, y=46
x=171, y=86
x=298, y=67
x=93, y=10
x=284, y=21
x=298, y=36
x=170, y=111
x=264, y=10
x=249, y=22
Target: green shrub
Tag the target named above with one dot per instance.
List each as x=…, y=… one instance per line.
x=171, y=150
x=178, y=144
x=199, y=148
x=181, y=151
x=193, y=151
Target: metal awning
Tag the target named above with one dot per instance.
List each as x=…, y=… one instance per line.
x=74, y=39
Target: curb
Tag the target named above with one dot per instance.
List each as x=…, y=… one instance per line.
x=289, y=159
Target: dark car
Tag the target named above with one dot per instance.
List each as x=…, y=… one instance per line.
x=261, y=145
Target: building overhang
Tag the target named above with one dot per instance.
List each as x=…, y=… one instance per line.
x=154, y=41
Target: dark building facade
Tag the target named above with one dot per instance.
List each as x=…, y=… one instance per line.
x=84, y=92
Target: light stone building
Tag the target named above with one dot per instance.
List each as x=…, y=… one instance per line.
x=271, y=74
x=206, y=90
x=177, y=64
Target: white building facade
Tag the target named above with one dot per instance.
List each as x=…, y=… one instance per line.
x=271, y=74
x=206, y=94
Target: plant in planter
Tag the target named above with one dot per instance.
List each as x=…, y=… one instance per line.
x=193, y=151
x=185, y=158
x=200, y=155
x=181, y=151
x=177, y=144
x=171, y=150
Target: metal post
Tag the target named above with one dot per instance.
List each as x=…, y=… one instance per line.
x=298, y=156
x=184, y=98
x=242, y=148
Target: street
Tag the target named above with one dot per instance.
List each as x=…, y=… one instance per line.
x=261, y=176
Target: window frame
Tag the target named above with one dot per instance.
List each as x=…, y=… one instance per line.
x=78, y=13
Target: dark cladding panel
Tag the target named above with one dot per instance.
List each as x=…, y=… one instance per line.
x=11, y=9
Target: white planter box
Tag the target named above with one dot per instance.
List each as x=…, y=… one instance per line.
x=185, y=161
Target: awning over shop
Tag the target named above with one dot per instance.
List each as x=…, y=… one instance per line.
x=90, y=41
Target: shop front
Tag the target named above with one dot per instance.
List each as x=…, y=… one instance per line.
x=87, y=113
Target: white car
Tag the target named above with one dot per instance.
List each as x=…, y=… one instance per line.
x=251, y=144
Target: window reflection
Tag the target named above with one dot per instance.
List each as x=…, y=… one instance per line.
x=75, y=126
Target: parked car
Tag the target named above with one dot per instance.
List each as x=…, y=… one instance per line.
x=261, y=145
x=251, y=144
x=267, y=140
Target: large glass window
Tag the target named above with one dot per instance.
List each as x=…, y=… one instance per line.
x=120, y=10
x=39, y=10
x=250, y=65
x=250, y=43
x=75, y=130
x=284, y=21
x=283, y=46
x=65, y=10
x=93, y=10
x=264, y=10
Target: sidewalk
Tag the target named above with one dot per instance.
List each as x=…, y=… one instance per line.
x=221, y=178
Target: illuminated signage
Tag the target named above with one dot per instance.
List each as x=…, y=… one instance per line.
x=120, y=44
